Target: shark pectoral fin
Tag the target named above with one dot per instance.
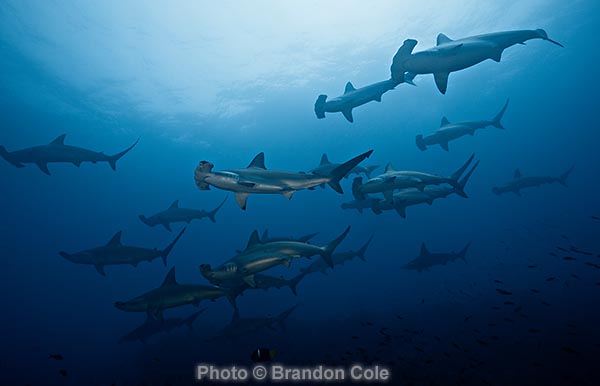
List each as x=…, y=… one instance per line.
x=77, y=163
x=241, y=199
x=378, y=98
x=288, y=262
x=100, y=269
x=444, y=146
x=388, y=195
x=496, y=56
x=441, y=81
x=249, y=280
x=135, y=264
x=167, y=226
x=348, y=115
x=288, y=194
x=401, y=211
x=43, y=167
x=472, y=132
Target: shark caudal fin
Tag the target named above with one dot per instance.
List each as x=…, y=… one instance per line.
x=356, y=189
x=112, y=160
x=293, y=282
x=340, y=172
x=281, y=318
x=464, y=251
x=562, y=179
x=328, y=249
x=189, y=321
x=420, y=142
x=544, y=36
x=212, y=213
x=164, y=253
x=456, y=175
x=463, y=181
x=496, y=120
x=320, y=106
x=361, y=252
x=397, y=69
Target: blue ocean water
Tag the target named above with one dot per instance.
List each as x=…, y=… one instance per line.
x=223, y=82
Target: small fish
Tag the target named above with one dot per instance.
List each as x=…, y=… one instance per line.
x=468, y=317
x=550, y=279
x=492, y=324
x=518, y=308
x=532, y=266
x=482, y=342
x=534, y=330
x=63, y=372
x=355, y=337
x=595, y=218
x=592, y=265
x=498, y=281
x=503, y=292
x=262, y=355
x=568, y=350
x=569, y=258
x=574, y=276
x=56, y=357
x=509, y=303
x=564, y=237
x=545, y=303
x=562, y=249
x=535, y=291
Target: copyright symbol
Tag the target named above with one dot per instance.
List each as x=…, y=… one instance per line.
x=259, y=373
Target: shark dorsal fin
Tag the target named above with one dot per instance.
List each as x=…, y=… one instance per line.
x=175, y=204
x=424, y=251
x=324, y=159
x=349, y=87
x=253, y=240
x=258, y=161
x=236, y=315
x=517, y=174
x=265, y=235
x=60, y=140
x=116, y=239
x=445, y=122
x=170, y=278
x=389, y=168
x=441, y=39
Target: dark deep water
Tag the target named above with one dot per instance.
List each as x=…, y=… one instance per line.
x=108, y=74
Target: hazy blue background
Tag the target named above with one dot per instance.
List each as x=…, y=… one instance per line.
x=223, y=82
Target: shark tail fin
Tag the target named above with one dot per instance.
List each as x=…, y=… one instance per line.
x=464, y=251
x=456, y=175
x=421, y=143
x=320, y=106
x=562, y=179
x=6, y=155
x=397, y=69
x=192, y=318
x=498, y=117
x=281, y=318
x=340, y=172
x=293, y=282
x=212, y=213
x=112, y=160
x=463, y=181
x=361, y=252
x=164, y=253
x=328, y=249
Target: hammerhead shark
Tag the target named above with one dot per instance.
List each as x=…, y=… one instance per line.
x=354, y=97
x=114, y=253
x=450, y=131
x=172, y=294
x=454, y=55
x=153, y=326
x=426, y=259
x=259, y=257
x=256, y=178
x=176, y=214
x=239, y=327
x=57, y=151
x=519, y=182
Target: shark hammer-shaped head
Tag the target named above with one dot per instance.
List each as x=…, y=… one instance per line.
x=203, y=169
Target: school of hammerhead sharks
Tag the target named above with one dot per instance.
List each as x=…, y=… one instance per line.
x=392, y=190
